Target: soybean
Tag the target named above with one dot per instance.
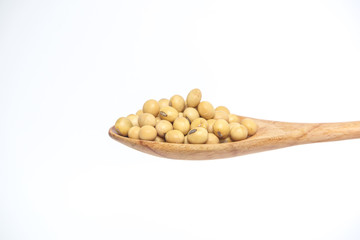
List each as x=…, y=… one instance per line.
x=234, y=124
x=212, y=139
x=177, y=102
x=163, y=127
x=147, y=119
x=151, y=106
x=239, y=133
x=159, y=139
x=221, y=128
x=122, y=126
x=206, y=110
x=163, y=102
x=134, y=132
x=193, y=98
x=182, y=124
x=199, y=122
x=222, y=108
x=147, y=133
x=174, y=136
x=191, y=114
x=250, y=125
x=134, y=119
x=168, y=113
x=234, y=118
x=210, y=126
x=221, y=115
x=190, y=121
x=197, y=135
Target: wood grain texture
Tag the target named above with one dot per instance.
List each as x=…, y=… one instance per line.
x=270, y=135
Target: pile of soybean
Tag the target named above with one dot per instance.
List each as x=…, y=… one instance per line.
x=178, y=121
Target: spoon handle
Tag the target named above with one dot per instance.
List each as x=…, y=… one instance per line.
x=323, y=132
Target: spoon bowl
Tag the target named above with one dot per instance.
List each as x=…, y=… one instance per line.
x=270, y=135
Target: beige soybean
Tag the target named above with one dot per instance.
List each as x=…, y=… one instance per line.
x=159, y=139
x=197, y=135
x=147, y=119
x=206, y=110
x=193, y=98
x=176, y=120
x=250, y=125
x=221, y=128
x=177, y=102
x=134, y=119
x=199, y=122
x=162, y=127
x=222, y=108
x=163, y=102
x=234, y=124
x=174, y=136
x=139, y=112
x=182, y=124
x=210, y=127
x=221, y=115
x=151, y=106
x=134, y=132
x=168, y=113
x=226, y=140
x=234, y=118
x=191, y=113
x=147, y=133
x=239, y=133
x=212, y=139
x=122, y=126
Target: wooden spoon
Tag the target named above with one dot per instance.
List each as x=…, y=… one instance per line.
x=270, y=135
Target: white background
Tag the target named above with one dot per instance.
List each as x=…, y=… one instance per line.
x=69, y=69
